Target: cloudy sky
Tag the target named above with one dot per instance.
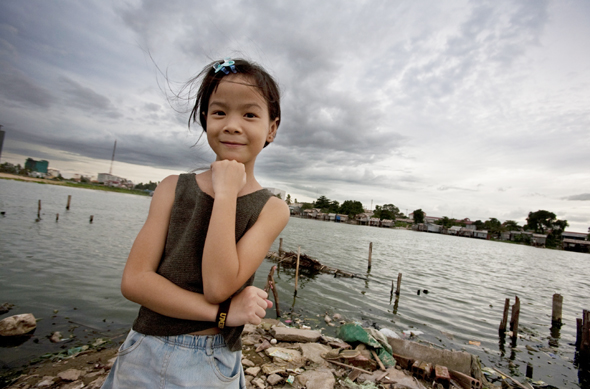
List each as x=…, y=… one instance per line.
x=472, y=109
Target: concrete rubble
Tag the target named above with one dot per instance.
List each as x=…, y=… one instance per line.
x=298, y=358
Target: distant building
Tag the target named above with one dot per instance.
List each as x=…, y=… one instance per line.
x=112, y=180
x=276, y=191
x=52, y=173
x=36, y=166
x=574, y=235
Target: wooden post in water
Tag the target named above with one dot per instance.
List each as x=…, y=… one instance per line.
x=399, y=284
x=556, y=310
x=529, y=371
x=270, y=285
x=585, y=341
x=370, y=254
x=514, y=320
x=502, y=329
x=39, y=210
x=91, y=218
x=280, y=247
x=297, y=268
x=578, y=333
x=69, y=199
x=56, y=217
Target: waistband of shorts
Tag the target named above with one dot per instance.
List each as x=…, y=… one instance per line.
x=195, y=341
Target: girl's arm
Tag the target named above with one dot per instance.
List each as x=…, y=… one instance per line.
x=141, y=284
x=227, y=265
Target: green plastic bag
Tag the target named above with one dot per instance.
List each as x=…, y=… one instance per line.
x=352, y=332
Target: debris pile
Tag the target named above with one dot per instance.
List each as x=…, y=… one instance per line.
x=308, y=265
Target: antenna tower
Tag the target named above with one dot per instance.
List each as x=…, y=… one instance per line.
x=113, y=159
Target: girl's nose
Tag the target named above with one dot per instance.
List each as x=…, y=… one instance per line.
x=232, y=127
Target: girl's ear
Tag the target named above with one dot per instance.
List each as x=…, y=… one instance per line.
x=274, y=125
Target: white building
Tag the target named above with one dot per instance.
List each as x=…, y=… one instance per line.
x=112, y=180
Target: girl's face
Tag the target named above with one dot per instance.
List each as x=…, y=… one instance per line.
x=238, y=122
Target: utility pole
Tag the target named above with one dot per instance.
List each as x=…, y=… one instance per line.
x=113, y=159
x=1, y=140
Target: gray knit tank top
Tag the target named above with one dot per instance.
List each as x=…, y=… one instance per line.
x=183, y=254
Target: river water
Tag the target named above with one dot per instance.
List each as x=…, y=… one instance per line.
x=67, y=273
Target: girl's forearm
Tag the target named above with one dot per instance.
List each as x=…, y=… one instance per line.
x=221, y=265
x=157, y=293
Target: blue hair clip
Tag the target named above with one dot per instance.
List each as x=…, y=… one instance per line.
x=227, y=63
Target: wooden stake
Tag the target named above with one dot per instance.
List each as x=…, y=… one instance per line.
x=529, y=371
x=370, y=254
x=270, y=285
x=280, y=247
x=56, y=216
x=69, y=199
x=297, y=268
x=378, y=360
x=578, y=333
x=39, y=210
x=556, y=310
x=91, y=218
x=585, y=342
x=504, y=321
x=399, y=284
x=514, y=320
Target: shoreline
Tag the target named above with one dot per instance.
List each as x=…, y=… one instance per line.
x=15, y=177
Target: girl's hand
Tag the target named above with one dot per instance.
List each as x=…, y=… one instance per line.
x=229, y=177
x=249, y=306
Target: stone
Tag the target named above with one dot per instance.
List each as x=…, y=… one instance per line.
x=327, y=319
x=247, y=362
x=97, y=383
x=55, y=337
x=253, y=371
x=46, y=382
x=250, y=340
x=70, y=374
x=317, y=379
x=18, y=324
x=313, y=352
x=337, y=316
x=259, y=383
x=393, y=376
x=248, y=329
x=263, y=346
x=295, y=335
x=282, y=356
x=274, y=379
x=271, y=368
x=73, y=385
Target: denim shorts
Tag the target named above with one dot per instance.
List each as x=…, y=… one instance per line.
x=183, y=361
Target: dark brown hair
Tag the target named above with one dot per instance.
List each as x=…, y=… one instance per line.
x=210, y=81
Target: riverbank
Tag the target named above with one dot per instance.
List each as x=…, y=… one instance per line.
x=14, y=177
x=278, y=356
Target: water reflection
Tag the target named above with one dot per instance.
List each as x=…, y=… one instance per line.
x=554, y=336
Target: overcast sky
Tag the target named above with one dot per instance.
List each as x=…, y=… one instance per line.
x=471, y=109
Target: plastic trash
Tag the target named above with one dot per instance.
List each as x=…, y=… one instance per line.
x=389, y=333
x=412, y=332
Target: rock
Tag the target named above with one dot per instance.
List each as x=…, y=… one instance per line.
x=295, y=335
x=259, y=382
x=18, y=324
x=55, y=337
x=5, y=308
x=274, y=379
x=73, y=385
x=250, y=340
x=97, y=383
x=249, y=329
x=282, y=356
x=273, y=341
x=327, y=319
x=70, y=374
x=317, y=379
x=271, y=368
x=247, y=362
x=263, y=346
x=253, y=371
x=46, y=382
x=393, y=376
x=337, y=316
x=313, y=352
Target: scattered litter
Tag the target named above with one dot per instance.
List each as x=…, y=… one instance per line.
x=475, y=343
x=389, y=333
x=412, y=333
x=290, y=380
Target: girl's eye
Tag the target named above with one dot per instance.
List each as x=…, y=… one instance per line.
x=250, y=115
x=217, y=113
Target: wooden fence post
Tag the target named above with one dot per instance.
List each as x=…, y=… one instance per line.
x=297, y=268
x=399, y=284
x=504, y=321
x=514, y=320
x=370, y=254
x=69, y=200
x=39, y=210
x=556, y=310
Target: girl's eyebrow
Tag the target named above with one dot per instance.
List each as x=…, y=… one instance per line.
x=243, y=106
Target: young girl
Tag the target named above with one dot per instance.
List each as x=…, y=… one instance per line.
x=192, y=264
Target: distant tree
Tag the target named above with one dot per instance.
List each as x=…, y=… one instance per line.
x=351, y=208
x=493, y=226
x=510, y=225
x=419, y=216
x=334, y=207
x=84, y=179
x=296, y=202
x=540, y=221
x=279, y=196
x=588, y=237
x=478, y=225
x=288, y=199
x=305, y=206
x=149, y=186
x=322, y=203
x=445, y=222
